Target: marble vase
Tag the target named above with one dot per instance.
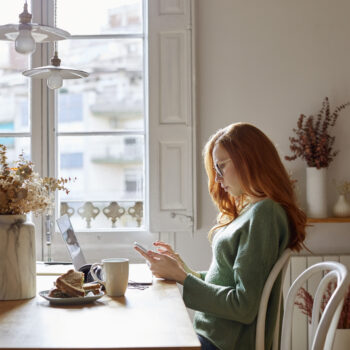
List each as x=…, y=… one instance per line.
x=17, y=258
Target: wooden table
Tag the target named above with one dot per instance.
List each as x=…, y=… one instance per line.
x=155, y=317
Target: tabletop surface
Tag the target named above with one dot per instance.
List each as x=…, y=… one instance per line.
x=155, y=317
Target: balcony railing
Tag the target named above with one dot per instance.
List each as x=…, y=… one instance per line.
x=104, y=215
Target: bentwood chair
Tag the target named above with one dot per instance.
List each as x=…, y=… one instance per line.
x=322, y=326
x=279, y=267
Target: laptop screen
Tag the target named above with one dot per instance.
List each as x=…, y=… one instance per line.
x=71, y=241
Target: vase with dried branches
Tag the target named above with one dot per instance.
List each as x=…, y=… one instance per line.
x=22, y=191
x=313, y=143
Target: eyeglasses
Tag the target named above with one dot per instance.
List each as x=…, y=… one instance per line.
x=218, y=167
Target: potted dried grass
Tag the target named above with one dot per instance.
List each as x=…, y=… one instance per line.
x=314, y=144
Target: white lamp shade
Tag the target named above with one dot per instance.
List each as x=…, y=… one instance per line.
x=45, y=71
x=39, y=32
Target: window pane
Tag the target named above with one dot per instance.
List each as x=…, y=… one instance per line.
x=14, y=111
x=80, y=17
x=111, y=97
x=9, y=13
x=108, y=169
x=16, y=146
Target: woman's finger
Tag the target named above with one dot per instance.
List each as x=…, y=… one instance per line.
x=163, y=250
x=145, y=255
x=163, y=244
x=172, y=255
x=155, y=255
x=164, y=247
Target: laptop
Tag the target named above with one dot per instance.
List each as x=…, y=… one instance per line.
x=138, y=274
x=69, y=237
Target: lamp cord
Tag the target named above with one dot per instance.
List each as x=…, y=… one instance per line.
x=54, y=24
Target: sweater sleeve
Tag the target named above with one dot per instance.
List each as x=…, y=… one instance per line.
x=257, y=252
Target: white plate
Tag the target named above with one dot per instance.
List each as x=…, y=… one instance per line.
x=70, y=301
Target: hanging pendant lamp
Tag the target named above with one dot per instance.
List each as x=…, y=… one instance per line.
x=27, y=34
x=55, y=73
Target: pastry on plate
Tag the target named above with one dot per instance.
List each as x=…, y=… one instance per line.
x=71, y=284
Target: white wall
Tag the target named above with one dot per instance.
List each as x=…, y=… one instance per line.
x=265, y=62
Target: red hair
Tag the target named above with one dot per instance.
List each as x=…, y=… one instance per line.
x=261, y=174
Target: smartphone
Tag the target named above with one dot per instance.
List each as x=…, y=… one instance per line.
x=138, y=245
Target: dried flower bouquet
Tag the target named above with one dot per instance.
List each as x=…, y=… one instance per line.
x=313, y=142
x=22, y=190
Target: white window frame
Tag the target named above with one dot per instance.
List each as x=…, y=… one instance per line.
x=43, y=138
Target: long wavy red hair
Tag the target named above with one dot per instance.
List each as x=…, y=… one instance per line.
x=261, y=174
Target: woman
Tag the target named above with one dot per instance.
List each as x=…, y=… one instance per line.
x=258, y=219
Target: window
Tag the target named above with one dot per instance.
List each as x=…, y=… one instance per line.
x=125, y=132
x=99, y=115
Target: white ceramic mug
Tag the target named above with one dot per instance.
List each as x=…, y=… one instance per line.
x=116, y=272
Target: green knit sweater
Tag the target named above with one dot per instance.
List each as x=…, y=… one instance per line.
x=226, y=297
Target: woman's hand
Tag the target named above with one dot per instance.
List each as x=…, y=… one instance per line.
x=164, y=266
x=165, y=248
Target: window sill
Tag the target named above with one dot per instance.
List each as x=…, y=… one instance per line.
x=117, y=230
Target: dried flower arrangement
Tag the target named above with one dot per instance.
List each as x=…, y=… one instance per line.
x=313, y=143
x=305, y=301
x=22, y=190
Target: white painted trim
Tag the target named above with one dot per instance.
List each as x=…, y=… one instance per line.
x=166, y=7
x=111, y=231
x=107, y=36
x=101, y=133
x=174, y=124
x=146, y=181
x=174, y=71
x=193, y=102
x=38, y=136
x=167, y=162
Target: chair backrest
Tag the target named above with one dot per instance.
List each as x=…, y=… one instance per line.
x=322, y=329
x=280, y=266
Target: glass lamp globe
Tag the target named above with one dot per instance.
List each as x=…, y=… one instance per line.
x=25, y=43
x=55, y=81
